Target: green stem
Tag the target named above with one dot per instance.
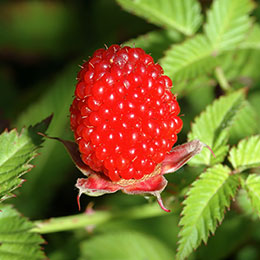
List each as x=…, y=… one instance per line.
x=96, y=218
x=222, y=79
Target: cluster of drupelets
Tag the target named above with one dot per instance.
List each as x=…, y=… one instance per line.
x=124, y=116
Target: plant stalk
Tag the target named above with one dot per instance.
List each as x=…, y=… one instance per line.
x=95, y=218
x=222, y=79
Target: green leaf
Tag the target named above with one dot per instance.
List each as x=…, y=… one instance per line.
x=205, y=206
x=252, y=186
x=247, y=154
x=155, y=42
x=181, y=15
x=16, y=240
x=212, y=128
x=247, y=52
x=245, y=204
x=246, y=124
x=252, y=41
x=227, y=23
x=125, y=245
x=189, y=59
x=36, y=34
x=16, y=151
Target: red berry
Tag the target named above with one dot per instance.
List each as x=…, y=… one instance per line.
x=124, y=116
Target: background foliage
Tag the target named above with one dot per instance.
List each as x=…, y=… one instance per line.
x=211, y=50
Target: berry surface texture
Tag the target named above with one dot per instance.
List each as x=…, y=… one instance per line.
x=124, y=116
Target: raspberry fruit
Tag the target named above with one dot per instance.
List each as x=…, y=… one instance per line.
x=124, y=116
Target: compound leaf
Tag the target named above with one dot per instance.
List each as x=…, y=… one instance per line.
x=205, y=206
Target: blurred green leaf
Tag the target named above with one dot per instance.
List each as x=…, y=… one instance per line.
x=254, y=99
x=249, y=253
x=212, y=128
x=16, y=152
x=195, y=101
x=17, y=242
x=184, y=16
x=245, y=205
x=247, y=154
x=246, y=124
x=37, y=26
x=204, y=207
x=125, y=245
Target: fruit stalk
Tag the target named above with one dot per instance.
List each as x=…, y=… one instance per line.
x=95, y=218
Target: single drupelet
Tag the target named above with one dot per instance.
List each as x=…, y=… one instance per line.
x=124, y=116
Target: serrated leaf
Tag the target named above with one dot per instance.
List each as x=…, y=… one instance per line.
x=205, y=206
x=182, y=15
x=227, y=23
x=155, y=42
x=16, y=240
x=187, y=60
x=16, y=151
x=246, y=124
x=252, y=186
x=212, y=128
x=127, y=245
x=247, y=154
